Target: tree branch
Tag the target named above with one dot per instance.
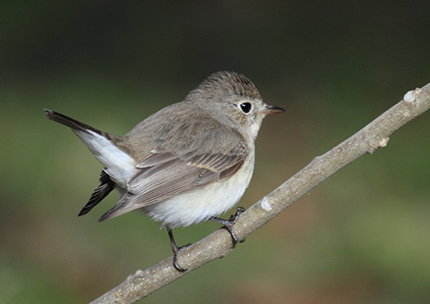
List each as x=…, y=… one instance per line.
x=218, y=244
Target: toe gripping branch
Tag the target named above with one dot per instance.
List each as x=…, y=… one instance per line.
x=176, y=250
x=228, y=225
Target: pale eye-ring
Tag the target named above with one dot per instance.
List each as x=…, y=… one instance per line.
x=245, y=107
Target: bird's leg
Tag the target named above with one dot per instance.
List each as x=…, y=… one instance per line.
x=228, y=224
x=175, y=250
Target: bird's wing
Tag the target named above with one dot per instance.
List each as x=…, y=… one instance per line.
x=162, y=175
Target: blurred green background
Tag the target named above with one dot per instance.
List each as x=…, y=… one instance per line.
x=360, y=237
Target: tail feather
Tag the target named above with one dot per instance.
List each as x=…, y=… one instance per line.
x=120, y=166
x=105, y=187
x=70, y=122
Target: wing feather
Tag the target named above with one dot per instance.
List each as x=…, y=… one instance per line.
x=170, y=169
x=158, y=181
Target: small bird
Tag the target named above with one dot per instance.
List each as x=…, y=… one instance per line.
x=185, y=164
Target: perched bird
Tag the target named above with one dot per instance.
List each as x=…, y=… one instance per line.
x=185, y=164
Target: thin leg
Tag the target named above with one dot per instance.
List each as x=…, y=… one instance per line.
x=175, y=250
x=228, y=224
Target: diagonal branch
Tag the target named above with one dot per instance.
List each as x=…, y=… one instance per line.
x=218, y=244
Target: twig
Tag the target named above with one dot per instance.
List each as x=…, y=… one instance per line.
x=218, y=244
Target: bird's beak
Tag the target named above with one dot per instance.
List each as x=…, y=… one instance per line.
x=273, y=110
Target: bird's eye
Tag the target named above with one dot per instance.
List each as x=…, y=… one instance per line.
x=246, y=107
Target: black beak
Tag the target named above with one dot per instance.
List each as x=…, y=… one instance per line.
x=273, y=110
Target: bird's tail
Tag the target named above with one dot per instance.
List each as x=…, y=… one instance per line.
x=70, y=122
x=119, y=164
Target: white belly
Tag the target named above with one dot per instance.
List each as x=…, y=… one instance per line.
x=200, y=205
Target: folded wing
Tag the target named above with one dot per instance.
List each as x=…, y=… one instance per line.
x=162, y=175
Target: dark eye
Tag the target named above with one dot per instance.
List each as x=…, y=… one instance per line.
x=246, y=107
